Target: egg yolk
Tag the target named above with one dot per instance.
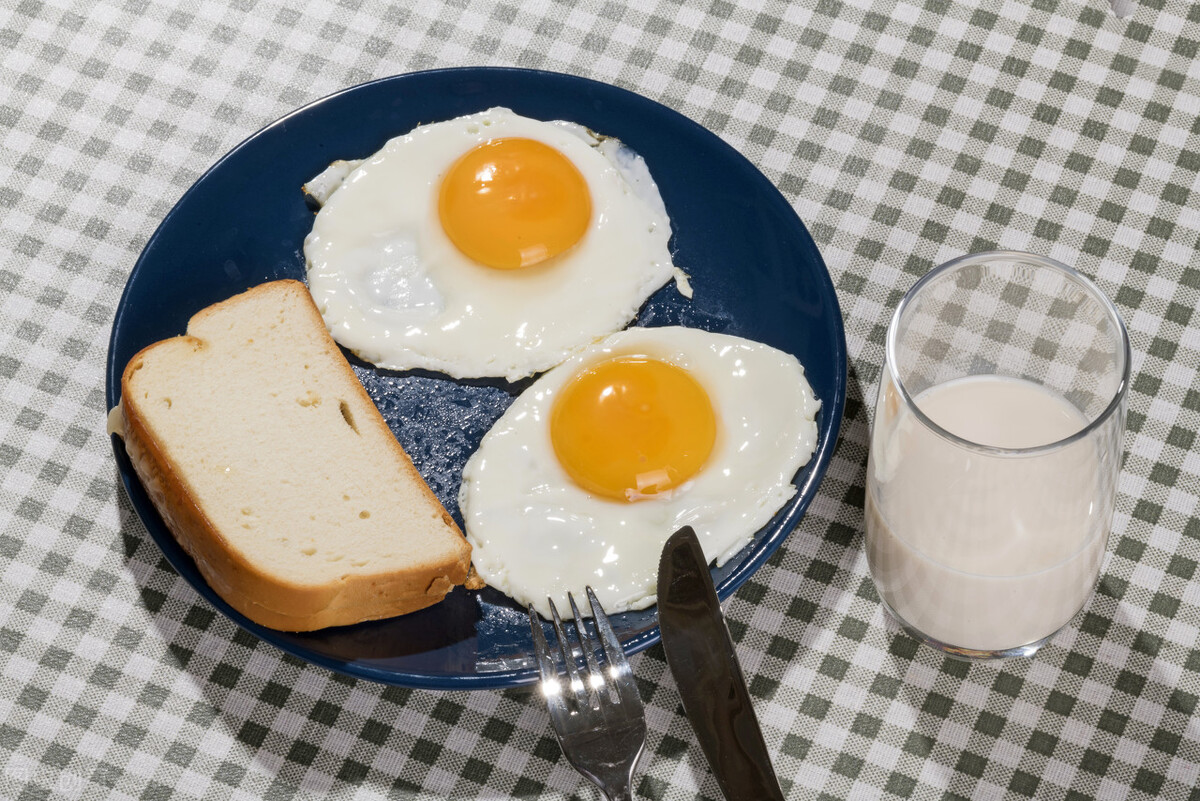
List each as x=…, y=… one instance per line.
x=513, y=202
x=631, y=427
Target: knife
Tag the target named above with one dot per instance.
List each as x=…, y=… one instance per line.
x=704, y=663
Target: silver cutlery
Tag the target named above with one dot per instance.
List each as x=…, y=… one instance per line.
x=596, y=712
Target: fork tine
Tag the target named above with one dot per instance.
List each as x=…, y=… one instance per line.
x=623, y=679
x=551, y=687
x=564, y=646
x=588, y=643
x=604, y=738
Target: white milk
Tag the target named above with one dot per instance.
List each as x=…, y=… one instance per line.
x=982, y=551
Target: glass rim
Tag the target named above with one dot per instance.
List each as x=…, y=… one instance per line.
x=1038, y=261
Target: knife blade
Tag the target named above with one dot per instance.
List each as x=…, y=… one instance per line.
x=701, y=656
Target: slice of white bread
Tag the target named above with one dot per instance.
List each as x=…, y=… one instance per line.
x=276, y=473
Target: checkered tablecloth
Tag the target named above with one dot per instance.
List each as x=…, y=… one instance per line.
x=904, y=134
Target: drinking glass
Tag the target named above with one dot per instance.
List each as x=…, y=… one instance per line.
x=995, y=452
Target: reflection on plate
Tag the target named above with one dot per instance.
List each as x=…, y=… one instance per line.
x=755, y=271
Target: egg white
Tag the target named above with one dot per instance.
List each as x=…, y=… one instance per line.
x=393, y=288
x=536, y=534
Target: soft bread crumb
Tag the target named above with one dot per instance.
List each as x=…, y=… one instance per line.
x=277, y=474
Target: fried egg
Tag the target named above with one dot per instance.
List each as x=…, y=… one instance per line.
x=488, y=245
x=592, y=467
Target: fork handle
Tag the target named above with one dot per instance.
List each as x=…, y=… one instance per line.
x=624, y=793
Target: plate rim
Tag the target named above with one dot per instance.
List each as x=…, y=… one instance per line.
x=509, y=678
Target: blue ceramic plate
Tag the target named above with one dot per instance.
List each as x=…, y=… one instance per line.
x=754, y=268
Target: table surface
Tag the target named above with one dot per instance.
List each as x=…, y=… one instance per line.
x=904, y=134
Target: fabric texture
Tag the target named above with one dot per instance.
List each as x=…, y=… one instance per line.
x=904, y=133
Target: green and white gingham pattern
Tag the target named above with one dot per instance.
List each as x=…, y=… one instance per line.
x=906, y=132
x=997, y=314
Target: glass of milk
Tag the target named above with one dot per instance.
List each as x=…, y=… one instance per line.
x=995, y=452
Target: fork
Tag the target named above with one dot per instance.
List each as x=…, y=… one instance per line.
x=597, y=717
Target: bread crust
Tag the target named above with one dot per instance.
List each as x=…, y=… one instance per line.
x=266, y=599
